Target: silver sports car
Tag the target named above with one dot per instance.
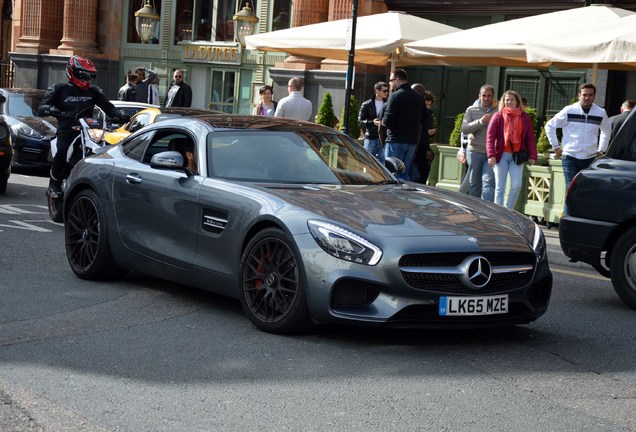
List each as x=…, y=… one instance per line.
x=302, y=225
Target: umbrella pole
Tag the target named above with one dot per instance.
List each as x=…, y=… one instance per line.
x=352, y=52
x=594, y=73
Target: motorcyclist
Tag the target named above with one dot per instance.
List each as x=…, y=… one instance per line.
x=65, y=101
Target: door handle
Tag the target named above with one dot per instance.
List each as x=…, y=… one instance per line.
x=133, y=178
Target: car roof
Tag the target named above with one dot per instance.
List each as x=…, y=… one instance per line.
x=237, y=121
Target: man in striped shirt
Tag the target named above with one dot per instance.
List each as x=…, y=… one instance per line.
x=581, y=123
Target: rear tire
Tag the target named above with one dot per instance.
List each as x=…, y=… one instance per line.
x=87, y=242
x=55, y=206
x=273, y=284
x=4, y=181
x=623, y=267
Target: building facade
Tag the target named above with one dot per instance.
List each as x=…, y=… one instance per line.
x=198, y=37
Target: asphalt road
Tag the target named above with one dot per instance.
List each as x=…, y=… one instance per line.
x=146, y=355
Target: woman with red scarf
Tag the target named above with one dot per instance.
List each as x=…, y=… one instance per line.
x=509, y=131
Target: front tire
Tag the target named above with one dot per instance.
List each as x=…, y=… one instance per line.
x=272, y=284
x=623, y=267
x=87, y=243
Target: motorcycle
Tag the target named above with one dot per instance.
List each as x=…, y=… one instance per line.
x=89, y=141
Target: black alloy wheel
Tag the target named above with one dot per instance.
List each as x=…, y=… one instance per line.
x=272, y=291
x=87, y=246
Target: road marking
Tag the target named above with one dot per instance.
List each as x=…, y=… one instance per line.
x=24, y=226
x=586, y=275
x=20, y=209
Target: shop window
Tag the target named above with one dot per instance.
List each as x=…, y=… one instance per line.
x=222, y=97
x=134, y=6
x=205, y=20
x=281, y=14
x=560, y=93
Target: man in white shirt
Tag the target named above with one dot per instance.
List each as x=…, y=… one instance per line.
x=294, y=106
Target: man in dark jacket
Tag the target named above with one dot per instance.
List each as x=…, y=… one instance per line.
x=404, y=115
x=180, y=93
x=143, y=84
x=369, y=120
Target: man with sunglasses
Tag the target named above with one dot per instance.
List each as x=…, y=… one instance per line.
x=65, y=101
x=180, y=93
x=369, y=120
x=404, y=114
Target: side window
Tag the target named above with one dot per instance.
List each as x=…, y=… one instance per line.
x=140, y=121
x=136, y=148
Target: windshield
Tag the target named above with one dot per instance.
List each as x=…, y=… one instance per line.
x=292, y=157
x=23, y=104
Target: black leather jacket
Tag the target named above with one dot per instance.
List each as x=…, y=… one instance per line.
x=65, y=101
x=365, y=119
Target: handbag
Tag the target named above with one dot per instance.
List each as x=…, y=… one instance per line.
x=521, y=156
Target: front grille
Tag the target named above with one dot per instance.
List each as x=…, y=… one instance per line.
x=439, y=272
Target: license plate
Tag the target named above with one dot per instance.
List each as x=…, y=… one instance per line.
x=467, y=306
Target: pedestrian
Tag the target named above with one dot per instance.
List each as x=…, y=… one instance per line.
x=266, y=106
x=423, y=154
x=617, y=121
x=127, y=91
x=153, y=92
x=404, y=115
x=481, y=181
x=369, y=120
x=180, y=93
x=581, y=123
x=294, y=106
x=143, y=83
x=509, y=139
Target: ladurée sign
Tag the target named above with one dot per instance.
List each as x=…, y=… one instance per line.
x=218, y=53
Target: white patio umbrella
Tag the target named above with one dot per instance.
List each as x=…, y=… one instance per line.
x=607, y=46
x=379, y=38
x=504, y=43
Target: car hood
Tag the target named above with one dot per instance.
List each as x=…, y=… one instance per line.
x=406, y=211
x=39, y=124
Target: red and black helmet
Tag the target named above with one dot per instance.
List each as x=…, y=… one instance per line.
x=80, y=71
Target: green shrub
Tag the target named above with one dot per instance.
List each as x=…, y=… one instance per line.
x=532, y=112
x=325, y=114
x=455, y=139
x=354, y=126
x=543, y=145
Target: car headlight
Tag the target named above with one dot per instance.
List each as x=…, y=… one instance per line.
x=538, y=243
x=343, y=244
x=27, y=131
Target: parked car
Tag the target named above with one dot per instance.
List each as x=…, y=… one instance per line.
x=151, y=115
x=302, y=225
x=6, y=154
x=30, y=135
x=600, y=227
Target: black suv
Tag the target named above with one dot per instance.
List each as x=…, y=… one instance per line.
x=600, y=228
x=6, y=154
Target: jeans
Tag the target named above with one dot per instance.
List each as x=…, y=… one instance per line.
x=482, y=177
x=374, y=147
x=507, y=166
x=404, y=152
x=571, y=167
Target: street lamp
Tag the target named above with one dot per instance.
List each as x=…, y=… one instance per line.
x=146, y=20
x=244, y=23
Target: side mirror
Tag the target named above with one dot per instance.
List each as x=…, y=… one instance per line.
x=394, y=165
x=167, y=160
x=2, y=99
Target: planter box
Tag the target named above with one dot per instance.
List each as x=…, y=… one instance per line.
x=544, y=187
x=542, y=191
x=449, y=170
